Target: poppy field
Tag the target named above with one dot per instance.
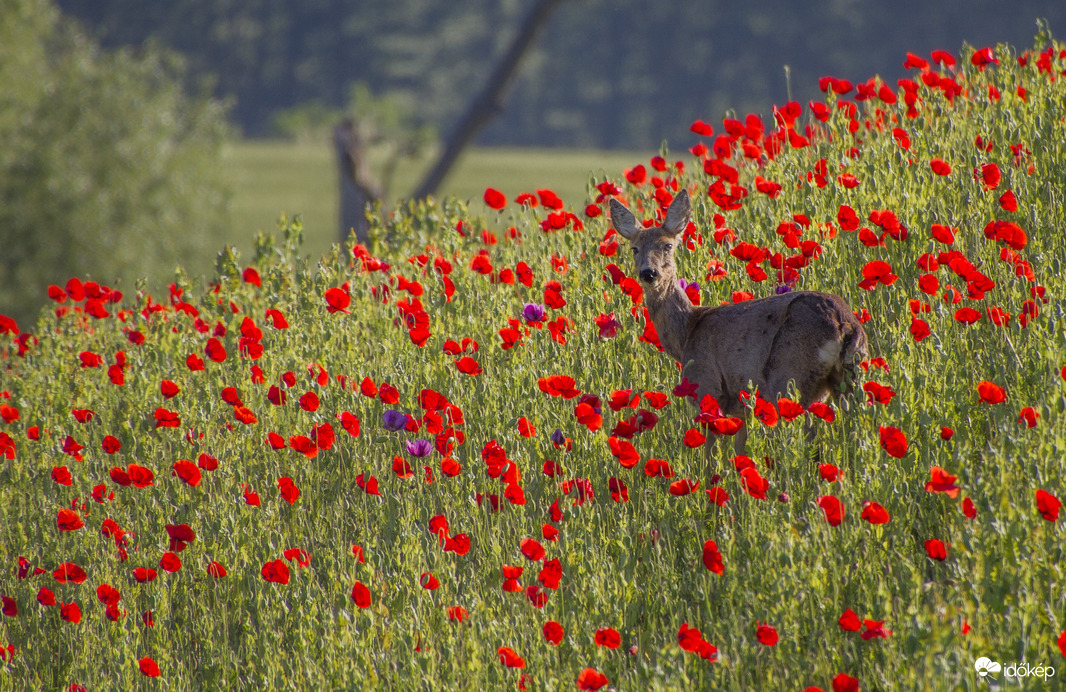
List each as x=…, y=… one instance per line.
x=458, y=460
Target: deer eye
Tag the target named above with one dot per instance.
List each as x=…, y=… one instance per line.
x=668, y=246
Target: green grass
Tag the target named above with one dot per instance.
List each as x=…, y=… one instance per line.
x=430, y=317
x=272, y=177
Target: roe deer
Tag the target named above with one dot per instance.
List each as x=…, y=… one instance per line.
x=811, y=339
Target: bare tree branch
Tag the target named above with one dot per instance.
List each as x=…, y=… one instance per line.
x=490, y=101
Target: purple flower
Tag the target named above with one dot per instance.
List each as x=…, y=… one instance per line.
x=685, y=285
x=558, y=438
x=419, y=448
x=782, y=289
x=533, y=312
x=394, y=420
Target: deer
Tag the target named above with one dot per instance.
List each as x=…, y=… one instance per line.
x=808, y=339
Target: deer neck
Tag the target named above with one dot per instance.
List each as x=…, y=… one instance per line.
x=670, y=311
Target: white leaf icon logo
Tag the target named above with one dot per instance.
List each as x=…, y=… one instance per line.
x=985, y=665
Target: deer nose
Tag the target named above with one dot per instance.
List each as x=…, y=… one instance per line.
x=648, y=275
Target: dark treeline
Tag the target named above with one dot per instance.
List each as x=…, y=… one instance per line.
x=605, y=73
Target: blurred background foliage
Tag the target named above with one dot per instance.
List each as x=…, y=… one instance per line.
x=610, y=74
x=110, y=161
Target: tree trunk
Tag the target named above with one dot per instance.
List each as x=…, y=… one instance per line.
x=357, y=189
x=490, y=101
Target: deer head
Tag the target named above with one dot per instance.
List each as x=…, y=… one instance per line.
x=653, y=248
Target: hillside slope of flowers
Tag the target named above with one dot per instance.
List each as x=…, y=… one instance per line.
x=461, y=461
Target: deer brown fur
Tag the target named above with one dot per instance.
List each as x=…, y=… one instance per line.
x=808, y=338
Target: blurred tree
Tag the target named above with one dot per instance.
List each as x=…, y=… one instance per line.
x=606, y=73
x=490, y=102
x=379, y=127
x=109, y=169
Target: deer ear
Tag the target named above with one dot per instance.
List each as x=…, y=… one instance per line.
x=679, y=214
x=624, y=221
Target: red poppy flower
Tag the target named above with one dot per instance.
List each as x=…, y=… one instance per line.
x=940, y=481
x=551, y=574
x=144, y=574
x=624, y=451
x=110, y=445
x=70, y=612
x=874, y=629
x=754, y=484
x=298, y=555
x=936, y=549
x=823, y=411
x=289, y=492
x=180, y=534
x=875, y=513
x=989, y=175
x=215, y=350
x=608, y=637
x=69, y=572
x=536, y=596
x=509, y=658
x=276, y=571
x=148, y=667
x=833, y=508
x=250, y=496
x=166, y=419
x=170, y=562
x=967, y=315
x=726, y=426
x=216, y=570
x=701, y=128
x=186, y=471
x=829, y=472
x=849, y=621
x=532, y=549
x=717, y=495
x=712, y=558
x=1007, y=232
x=940, y=167
x=658, y=468
x=765, y=412
x=845, y=683
x=1048, y=505
x=991, y=393
x=1028, y=417
x=559, y=385
x=591, y=679
x=549, y=199
x=69, y=520
x=683, y=487
x=495, y=199
x=553, y=632
x=893, y=441
x=337, y=300
x=428, y=582
x=766, y=634
x=875, y=272
x=919, y=329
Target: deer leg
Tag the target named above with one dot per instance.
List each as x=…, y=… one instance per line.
x=740, y=439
